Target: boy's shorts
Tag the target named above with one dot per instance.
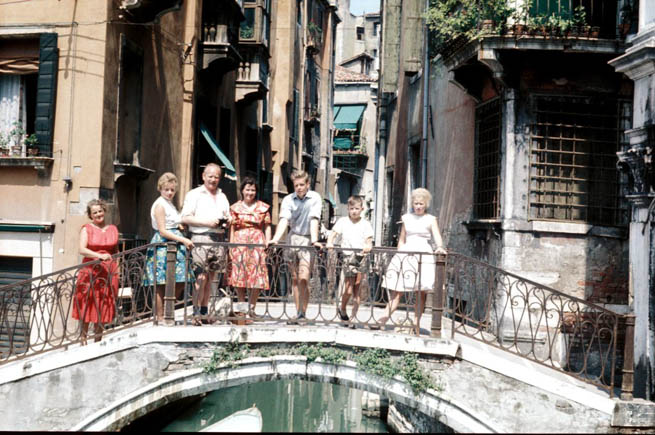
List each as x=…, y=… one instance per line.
x=354, y=264
x=296, y=255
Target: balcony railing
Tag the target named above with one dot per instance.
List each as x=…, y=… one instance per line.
x=468, y=297
x=574, y=19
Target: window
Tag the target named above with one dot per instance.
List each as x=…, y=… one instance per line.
x=17, y=304
x=28, y=64
x=488, y=124
x=375, y=29
x=360, y=33
x=375, y=52
x=573, y=145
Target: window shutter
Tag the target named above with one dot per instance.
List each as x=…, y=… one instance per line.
x=46, y=91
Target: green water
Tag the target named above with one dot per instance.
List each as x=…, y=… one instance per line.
x=286, y=406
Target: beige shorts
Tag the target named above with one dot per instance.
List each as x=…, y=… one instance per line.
x=295, y=255
x=354, y=264
x=208, y=258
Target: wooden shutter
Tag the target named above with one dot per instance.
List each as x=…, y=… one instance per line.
x=46, y=92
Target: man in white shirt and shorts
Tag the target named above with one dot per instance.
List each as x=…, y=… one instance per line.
x=300, y=212
x=206, y=211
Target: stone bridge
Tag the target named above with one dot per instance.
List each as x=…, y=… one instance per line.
x=479, y=388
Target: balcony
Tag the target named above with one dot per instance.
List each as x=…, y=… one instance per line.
x=255, y=28
x=592, y=26
x=146, y=11
x=349, y=152
x=252, y=76
x=314, y=37
x=312, y=114
x=220, y=36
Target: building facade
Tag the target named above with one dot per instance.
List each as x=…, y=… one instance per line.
x=105, y=87
x=301, y=95
x=635, y=159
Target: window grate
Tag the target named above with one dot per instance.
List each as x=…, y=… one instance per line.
x=573, y=145
x=488, y=121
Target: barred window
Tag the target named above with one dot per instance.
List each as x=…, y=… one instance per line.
x=573, y=145
x=488, y=125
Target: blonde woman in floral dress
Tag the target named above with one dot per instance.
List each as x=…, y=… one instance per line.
x=251, y=223
x=166, y=224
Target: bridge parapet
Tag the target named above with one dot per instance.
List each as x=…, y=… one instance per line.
x=468, y=297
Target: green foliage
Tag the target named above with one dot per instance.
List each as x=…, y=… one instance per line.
x=380, y=363
x=449, y=20
x=246, y=31
x=376, y=362
x=330, y=355
x=414, y=374
x=232, y=352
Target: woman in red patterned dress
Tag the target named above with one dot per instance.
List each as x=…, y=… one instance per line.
x=251, y=223
x=97, y=285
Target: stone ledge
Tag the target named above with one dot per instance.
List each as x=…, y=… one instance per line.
x=38, y=163
x=637, y=413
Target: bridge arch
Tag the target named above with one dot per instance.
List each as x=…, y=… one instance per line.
x=193, y=382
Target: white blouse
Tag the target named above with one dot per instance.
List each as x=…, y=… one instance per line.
x=173, y=217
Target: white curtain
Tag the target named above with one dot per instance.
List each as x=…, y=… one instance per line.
x=12, y=103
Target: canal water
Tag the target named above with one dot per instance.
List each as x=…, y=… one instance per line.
x=286, y=406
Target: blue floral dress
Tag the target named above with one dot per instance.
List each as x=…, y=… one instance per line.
x=156, y=257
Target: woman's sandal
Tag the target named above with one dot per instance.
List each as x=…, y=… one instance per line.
x=195, y=321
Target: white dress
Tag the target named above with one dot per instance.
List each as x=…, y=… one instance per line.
x=402, y=274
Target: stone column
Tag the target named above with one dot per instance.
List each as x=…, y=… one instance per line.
x=638, y=63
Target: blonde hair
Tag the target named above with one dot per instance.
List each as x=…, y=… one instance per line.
x=95, y=203
x=167, y=177
x=356, y=200
x=423, y=194
x=299, y=174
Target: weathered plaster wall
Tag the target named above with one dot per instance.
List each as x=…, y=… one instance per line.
x=81, y=28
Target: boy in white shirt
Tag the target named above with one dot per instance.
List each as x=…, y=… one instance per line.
x=356, y=233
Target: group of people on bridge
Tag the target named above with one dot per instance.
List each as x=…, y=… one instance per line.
x=207, y=217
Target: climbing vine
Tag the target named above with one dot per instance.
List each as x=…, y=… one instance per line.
x=378, y=362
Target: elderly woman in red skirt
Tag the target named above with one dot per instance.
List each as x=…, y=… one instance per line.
x=97, y=285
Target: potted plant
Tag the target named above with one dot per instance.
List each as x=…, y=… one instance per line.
x=4, y=145
x=580, y=20
x=16, y=136
x=628, y=16
x=30, y=142
x=521, y=16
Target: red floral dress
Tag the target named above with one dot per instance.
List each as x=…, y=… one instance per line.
x=97, y=285
x=248, y=265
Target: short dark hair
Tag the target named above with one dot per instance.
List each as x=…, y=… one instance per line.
x=246, y=181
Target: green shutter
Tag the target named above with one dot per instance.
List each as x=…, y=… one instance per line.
x=46, y=92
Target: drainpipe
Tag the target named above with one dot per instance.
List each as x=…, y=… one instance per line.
x=426, y=104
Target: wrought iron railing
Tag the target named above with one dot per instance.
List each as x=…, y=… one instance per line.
x=537, y=322
x=40, y=314
x=465, y=295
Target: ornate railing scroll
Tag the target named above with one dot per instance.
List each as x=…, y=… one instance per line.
x=40, y=314
x=534, y=321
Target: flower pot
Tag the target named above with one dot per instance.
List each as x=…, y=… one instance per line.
x=595, y=32
x=33, y=151
x=4, y=152
x=519, y=29
x=16, y=150
x=487, y=26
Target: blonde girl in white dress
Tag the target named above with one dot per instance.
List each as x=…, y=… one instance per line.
x=403, y=274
